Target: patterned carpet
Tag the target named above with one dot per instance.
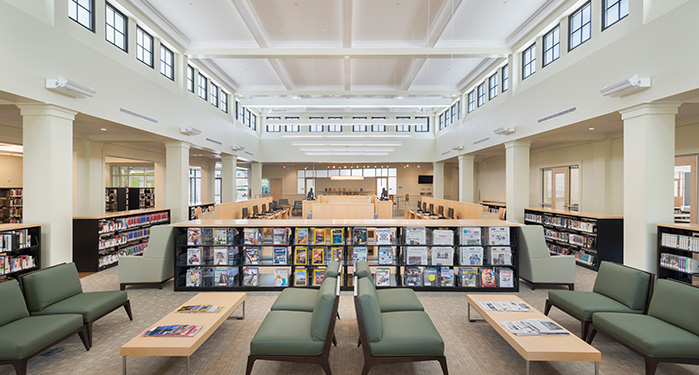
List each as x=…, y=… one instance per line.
x=471, y=348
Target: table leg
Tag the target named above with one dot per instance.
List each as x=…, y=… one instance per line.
x=527, y=368
x=596, y=368
x=469, y=314
x=188, y=365
x=123, y=364
x=242, y=317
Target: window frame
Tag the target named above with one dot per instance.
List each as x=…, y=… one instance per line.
x=419, y=128
x=605, y=12
x=402, y=128
x=141, y=48
x=529, y=51
x=224, y=101
x=312, y=127
x=164, y=51
x=378, y=128
x=107, y=26
x=493, y=86
x=582, y=26
x=481, y=95
x=213, y=94
x=505, y=77
x=471, y=101
x=203, y=90
x=334, y=128
x=190, y=79
x=90, y=11
x=555, y=48
x=359, y=128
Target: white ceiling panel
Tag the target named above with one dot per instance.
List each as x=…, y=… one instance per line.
x=443, y=73
x=300, y=20
x=383, y=73
x=312, y=73
x=251, y=74
x=400, y=20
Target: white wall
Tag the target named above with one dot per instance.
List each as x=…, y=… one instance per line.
x=10, y=171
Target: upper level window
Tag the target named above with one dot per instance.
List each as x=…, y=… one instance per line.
x=115, y=27
x=82, y=12
x=359, y=128
x=481, y=94
x=291, y=128
x=529, y=61
x=471, y=97
x=552, y=45
x=167, y=62
x=315, y=128
x=579, y=24
x=456, y=111
x=253, y=121
x=274, y=128
x=224, y=101
x=248, y=122
x=378, y=128
x=213, y=95
x=335, y=128
x=144, y=47
x=203, y=83
x=442, y=123
x=493, y=86
x=190, y=78
x=240, y=110
x=423, y=127
x=505, y=77
x=613, y=11
x=402, y=128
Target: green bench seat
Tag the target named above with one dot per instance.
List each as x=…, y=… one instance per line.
x=303, y=299
x=390, y=299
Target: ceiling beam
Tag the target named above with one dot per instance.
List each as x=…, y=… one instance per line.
x=570, y=137
x=347, y=23
x=256, y=53
x=346, y=93
x=123, y=138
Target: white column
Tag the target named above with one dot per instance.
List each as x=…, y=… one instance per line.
x=466, y=177
x=47, y=133
x=649, y=162
x=601, y=153
x=177, y=173
x=229, y=164
x=159, y=184
x=438, y=179
x=208, y=182
x=516, y=179
x=255, y=181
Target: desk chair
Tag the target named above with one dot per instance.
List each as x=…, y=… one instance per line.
x=431, y=210
x=255, y=211
x=246, y=213
x=450, y=213
x=440, y=212
x=264, y=208
x=419, y=206
x=283, y=202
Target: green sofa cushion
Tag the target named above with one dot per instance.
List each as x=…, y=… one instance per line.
x=323, y=309
x=624, y=284
x=398, y=299
x=25, y=336
x=296, y=299
x=650, y=335
x=369, y=305
x=408, y=333
x=333, y=269
x=361, y=269
x=583, y=304
x=676, y=304
x=48, y=286
x=90, y=305
x=285, y=333
x=12, y=306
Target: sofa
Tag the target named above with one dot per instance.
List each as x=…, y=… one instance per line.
x=23, y=336
x=617, y=288
x=156, y=265
x=669, y=332
x=536, y=264
x=57, y=290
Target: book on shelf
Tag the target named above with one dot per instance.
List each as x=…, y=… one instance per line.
x=359, y=253
x=415, y=236
x=193, y=277
x=416, y=255
x=252, y=255
x=281, y=277
x=337, y=236
x=413, y=276
x=383, y=236
x=470, y=236
x=442, y=256
x=336, y=253
x=487, y=278
x=302, y=236
x=443, y=237
x=469, y=277
x=318, y=275
x=527, y=327
x=280, y=255
x=220, y=277
x=200, y=309
x=220, y=256
x=500, y=256
x=319, y=236
x=385, y=255
x=194, y=236
x=220, y=236
x=250, y=276
x=383, y=277
x=300, y=276
x=280, y=236
x=505, y=277
x=194, y=256
x=251, y=236
x=207, y=235
x=301, y=256
x=498, y=236
x=359, y=236
x=176, y=330
x=317, y=258
x=446, y=277
x=471, y=256
x=430, y=276
x=505, y=306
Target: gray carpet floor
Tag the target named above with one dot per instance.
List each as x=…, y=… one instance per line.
x=471, y=348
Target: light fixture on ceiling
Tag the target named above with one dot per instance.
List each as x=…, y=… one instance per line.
x=237, y=148
x=69, y=87
x=626, y=86
x=188, y=130
x=103, y=129
x=347, y=178
x=504, y=130
x=590, y=129
x=457, y=147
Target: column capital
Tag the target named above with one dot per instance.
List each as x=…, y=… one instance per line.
x=229, y=157
x=43, y=109
x=518, y=143
x=177, y=144
x=441, y=162
x=255, y=163
x=644, y=109
x=466, y=157
x=603, y=144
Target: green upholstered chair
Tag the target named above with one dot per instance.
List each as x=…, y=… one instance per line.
x=57, y=290
x=669, y=332
x=394, y=337
x=304, y=299
x=156, y=265
x=390, y=299
x=536, y=264
x=23, y=336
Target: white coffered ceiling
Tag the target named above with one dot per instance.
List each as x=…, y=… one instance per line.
x=298, y=49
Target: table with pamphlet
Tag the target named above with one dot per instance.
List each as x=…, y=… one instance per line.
x=567, y=347
x=142, y=346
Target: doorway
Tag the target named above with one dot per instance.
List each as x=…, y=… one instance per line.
x=275, y=188
x=685, y=189
x=561, y=188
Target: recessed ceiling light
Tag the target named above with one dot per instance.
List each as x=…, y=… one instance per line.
x=103, y=129
x=590, y=128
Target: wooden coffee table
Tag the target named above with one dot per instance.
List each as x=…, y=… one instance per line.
x=141, y=346
x=533, y=348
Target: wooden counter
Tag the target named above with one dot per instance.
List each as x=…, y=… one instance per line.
x=575, y=213
x=346, y=223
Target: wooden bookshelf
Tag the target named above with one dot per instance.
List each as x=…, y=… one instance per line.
x=11, y=203
x=20, y=249
x=678, y=252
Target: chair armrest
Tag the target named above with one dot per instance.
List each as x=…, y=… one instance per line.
x=137, y=269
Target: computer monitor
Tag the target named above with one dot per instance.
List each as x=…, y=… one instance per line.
x=431, y=210
x=255, y=211
x=440, y=210
x=450, y=213
x=264, y=208
x=245, y=213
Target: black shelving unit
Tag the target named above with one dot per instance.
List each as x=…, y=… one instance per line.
x=11, y=202
x=115, y=199
x=591, y=238
x=98, y=241
x=678, y=252
x=20, y=249
x=140, y=198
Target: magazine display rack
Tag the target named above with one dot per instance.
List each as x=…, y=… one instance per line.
x=273, y=254
x=678, y=252
x=20, y=249
x=98, y=241
x=590, y=238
